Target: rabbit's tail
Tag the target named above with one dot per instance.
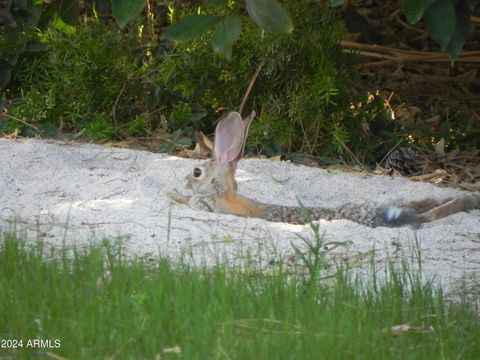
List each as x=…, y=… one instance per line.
x=392, y=216
x=374, y=215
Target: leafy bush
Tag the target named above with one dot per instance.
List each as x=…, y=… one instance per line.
x=108, y=84
x=17, y=20
x=93, y=70
x=301, y=93
x=102, y=82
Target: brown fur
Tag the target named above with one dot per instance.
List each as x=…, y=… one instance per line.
x=232, y=203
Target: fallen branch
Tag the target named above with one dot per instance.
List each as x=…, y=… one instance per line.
x=393, y=55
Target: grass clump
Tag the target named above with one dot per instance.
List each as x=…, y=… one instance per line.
x=99, y=305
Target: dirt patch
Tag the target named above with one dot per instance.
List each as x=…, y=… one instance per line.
x=64, y=193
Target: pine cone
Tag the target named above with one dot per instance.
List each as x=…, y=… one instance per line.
x=408, y=161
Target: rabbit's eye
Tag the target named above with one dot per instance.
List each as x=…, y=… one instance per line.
x=197, y=172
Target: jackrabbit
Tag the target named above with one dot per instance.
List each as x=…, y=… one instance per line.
x=215, y=190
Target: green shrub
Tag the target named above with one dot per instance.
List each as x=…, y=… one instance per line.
x=94, y=70
x=301, y=94
x=108, y=84
x=100, y=128
x=112, y=84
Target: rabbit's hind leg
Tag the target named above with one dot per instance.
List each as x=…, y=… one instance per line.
x=421, y=206
x=459, y=204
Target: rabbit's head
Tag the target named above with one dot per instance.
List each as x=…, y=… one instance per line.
x=217, y=176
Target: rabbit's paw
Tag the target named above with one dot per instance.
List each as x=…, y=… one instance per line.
x=177, y=197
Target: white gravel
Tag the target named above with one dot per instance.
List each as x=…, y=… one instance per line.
x=76, y=194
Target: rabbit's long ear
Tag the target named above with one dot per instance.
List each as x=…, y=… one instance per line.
x=246, y=126
x=229, y=139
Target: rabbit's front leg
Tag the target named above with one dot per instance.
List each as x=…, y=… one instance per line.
x=197, y=202
x=177, y=197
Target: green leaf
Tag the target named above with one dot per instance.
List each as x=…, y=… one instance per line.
x=414, y=9
x=124, y=11
x=463, y=13
x=269, y=15
x=440, y=18
x=227, y=32
x=219, y=4
x=63, y=26
x=190, y=27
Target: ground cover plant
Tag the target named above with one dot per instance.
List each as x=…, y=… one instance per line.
x=300, y=94
x=110, y=81
x=88, y=80
x=96, y=304
x=93, y=80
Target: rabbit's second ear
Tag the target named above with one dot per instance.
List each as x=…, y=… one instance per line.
x=229, y=139
x=246, y=126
